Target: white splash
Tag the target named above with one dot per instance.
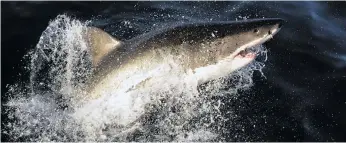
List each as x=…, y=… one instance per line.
x=168, y=108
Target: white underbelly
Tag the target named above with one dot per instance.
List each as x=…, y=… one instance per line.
x=221, y=69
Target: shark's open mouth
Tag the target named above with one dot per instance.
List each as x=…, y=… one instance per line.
x=247, y=53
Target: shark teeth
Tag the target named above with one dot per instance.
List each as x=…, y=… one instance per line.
x=247, y=52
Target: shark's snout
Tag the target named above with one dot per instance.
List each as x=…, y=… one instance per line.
x=278, y=23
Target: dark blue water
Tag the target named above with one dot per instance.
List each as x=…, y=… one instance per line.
x=302, y=98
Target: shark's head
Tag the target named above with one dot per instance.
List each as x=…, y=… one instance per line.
x=236, y=41
x=216, y=49
x=212, y=42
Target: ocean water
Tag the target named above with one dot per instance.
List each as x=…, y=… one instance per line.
x=295, y=92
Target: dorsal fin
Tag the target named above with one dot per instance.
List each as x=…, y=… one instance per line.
x=100, y=43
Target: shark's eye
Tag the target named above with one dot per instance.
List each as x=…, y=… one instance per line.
x=256, y=31
x=269, y=32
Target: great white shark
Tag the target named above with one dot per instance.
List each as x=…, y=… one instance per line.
x=209, y=50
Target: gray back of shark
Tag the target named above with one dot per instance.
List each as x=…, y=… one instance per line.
x=195, y=45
